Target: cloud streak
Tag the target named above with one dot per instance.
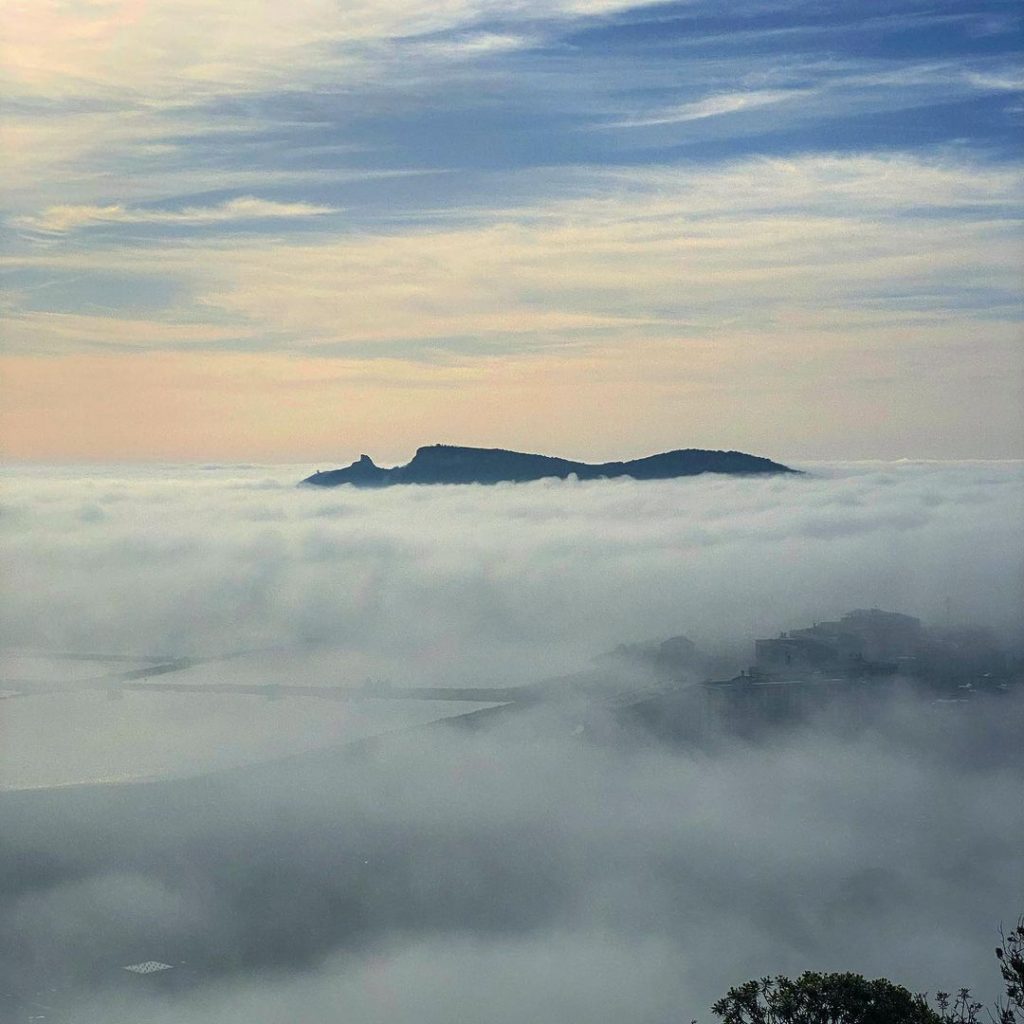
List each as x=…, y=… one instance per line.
x=61, y=219
x=712, y=106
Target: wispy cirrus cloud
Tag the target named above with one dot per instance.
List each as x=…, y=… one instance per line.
x=1005, y=81
x=591, y=186
x=476, y=44
x=629, y=251
x=166, y=51
x=61, y=219
x=768, y=277
x=711, y=106
x=741, y=243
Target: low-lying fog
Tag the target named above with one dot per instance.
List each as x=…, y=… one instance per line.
x=525, y=870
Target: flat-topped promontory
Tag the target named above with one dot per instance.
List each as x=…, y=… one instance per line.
x=452, y=464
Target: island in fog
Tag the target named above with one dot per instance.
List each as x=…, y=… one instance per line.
x=453, y=464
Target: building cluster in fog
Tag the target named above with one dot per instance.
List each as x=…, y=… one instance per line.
x=862, y=642
x=847, y=663
x=871, y=642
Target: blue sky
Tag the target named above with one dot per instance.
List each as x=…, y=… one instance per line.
x=291, y=231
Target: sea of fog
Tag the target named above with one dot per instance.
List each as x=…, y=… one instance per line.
x=525, y=872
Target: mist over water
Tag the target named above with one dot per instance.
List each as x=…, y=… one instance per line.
x=528, y=869
x=456, y=583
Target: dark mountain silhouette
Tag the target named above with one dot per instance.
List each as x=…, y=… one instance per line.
x=451, y=464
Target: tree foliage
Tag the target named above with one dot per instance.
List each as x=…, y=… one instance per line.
x=852, y=999
x=823, y=999
x=1011, y=965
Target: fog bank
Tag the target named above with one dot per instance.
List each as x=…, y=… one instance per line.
x=505, y=581
x=551, y=864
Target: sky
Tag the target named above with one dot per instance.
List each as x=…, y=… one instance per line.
x=591, y=228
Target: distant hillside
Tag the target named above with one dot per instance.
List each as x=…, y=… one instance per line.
x=451, y=464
